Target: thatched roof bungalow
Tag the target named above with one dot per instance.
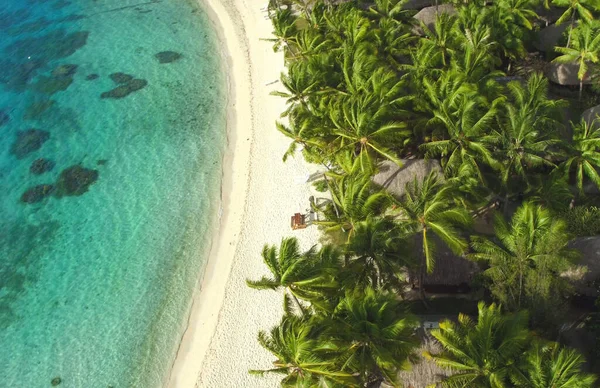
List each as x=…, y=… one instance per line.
x=564, y=74
x=549, y=37
x=425, y=372
x=452, y=274
x=394, y=178
x=428, y=16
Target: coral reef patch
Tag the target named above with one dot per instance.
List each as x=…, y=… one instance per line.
x=28, y=141
x=168, y=56
x=125, y=89
x=41, y=166
x=37, y=193
x=75, y=181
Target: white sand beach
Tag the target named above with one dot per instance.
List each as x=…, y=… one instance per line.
x=259, y=195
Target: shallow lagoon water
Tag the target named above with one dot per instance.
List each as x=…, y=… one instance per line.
x=97, y=266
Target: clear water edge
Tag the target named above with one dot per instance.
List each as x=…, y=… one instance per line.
x=127, y=343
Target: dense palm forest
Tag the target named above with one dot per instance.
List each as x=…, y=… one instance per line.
x=461, y=85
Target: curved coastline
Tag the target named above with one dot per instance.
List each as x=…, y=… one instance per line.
x=210, y=289
x=259, y=193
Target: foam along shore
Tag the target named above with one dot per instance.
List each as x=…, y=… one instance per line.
x=259, y=195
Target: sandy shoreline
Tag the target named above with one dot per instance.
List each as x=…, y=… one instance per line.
x=259, y=194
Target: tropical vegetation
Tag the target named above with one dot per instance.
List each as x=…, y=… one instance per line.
x=374, y=85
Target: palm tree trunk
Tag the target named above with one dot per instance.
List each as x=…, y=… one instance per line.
x=571, y=29
x=422, y=269
x=580, y=88
x=337, y=213
x=505, y=210
x=298, y=304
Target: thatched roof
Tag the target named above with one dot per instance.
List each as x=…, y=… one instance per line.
x=549, y=37
x=450, y=270
x=564, y=74
x=425, y=372
x=589, y=266
x=428, y=15
x=592, y=114
x=394, y=178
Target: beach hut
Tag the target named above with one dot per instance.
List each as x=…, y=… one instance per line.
x=394, y=178
x=428, y=16
x=549, y=37
x=424, y=373
x=592, y=114
x=452, y=274
x=565, y=74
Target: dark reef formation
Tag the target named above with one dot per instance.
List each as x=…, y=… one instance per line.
x=125, y=89
x=60, y=79
x=41, y=166
x=72, y=181
x=28, y=141
x=37, y=193
x=121, y=78
x=4, y=117
x=36, y=109
x=168, y=56
x=75, y=181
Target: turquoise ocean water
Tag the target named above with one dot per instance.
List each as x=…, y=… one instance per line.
x=109, y=186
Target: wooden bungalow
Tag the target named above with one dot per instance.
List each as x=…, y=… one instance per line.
x=452, y=274
x=425, y=372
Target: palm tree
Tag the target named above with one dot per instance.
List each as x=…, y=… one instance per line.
x=300, y=82
x=377, y=254
x=549, y=365
x=428, y=210
x=528, y=131
x=372, y=336
x=584, y=157
x=583, y=8
x=306, y=275
x=284, y=29
x=481, y=354
x=440, y=43
x=294, y=343
x=520, y=12
x=586, y=49
x=363, y=126
x=354, y=200
x=467, y=123
x=526, y=258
